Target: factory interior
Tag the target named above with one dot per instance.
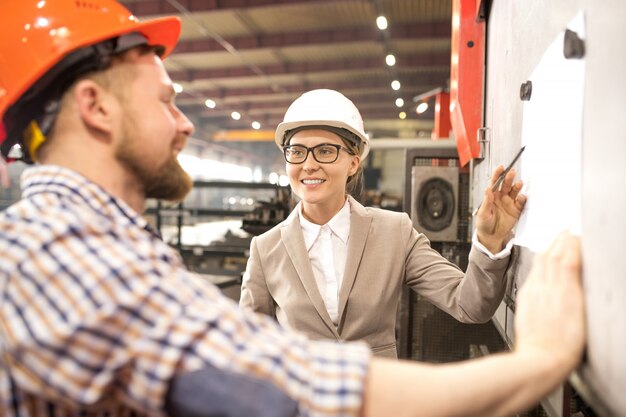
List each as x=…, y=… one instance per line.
x=447, y=90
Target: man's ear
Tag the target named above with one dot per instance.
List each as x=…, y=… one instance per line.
x=95, y=105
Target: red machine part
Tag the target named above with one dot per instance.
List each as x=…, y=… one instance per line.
x=442, y=116
x=467, y=73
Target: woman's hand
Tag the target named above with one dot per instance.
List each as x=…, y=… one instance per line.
x=499, y=211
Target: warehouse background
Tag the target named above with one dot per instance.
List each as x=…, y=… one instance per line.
x=239, y=65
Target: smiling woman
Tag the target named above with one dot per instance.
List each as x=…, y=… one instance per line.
x=335, y=269
x=318, y=172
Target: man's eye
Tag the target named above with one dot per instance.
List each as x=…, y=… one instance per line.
x=326, y=150
x=296, y=152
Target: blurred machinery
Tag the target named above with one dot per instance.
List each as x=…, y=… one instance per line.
x=213, y=226
x=434, y=205
x=437, y=200
x=267, y=214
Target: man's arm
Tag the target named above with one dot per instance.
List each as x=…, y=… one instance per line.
x=498, y=385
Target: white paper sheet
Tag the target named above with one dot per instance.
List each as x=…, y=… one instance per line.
x=552, y=133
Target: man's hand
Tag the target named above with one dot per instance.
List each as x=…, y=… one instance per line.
x=550, y=315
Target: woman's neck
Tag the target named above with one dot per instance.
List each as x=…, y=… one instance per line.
x=319, y=213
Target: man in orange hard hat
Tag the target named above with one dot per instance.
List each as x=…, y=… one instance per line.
x=98, y=316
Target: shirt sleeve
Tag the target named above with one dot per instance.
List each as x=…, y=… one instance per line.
x=470, y=297
x=254, y=292
x=505, y=252
x=120, y=321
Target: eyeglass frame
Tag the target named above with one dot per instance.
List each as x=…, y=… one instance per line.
x=310, y=151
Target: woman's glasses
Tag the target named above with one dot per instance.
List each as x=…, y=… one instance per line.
x=324, y=153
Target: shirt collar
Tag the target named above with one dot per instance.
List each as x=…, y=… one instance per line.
x=65, y=182
x=339, y=225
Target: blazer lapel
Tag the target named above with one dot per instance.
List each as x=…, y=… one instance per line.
x=293, y=240
x=360, y=223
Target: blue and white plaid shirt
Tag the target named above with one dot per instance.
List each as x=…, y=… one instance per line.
x=97, y=314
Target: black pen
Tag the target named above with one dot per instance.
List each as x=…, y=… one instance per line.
x=501, y=176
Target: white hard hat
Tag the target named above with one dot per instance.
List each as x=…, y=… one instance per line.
x=324, y=108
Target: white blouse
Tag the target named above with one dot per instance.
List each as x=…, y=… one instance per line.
x=328, y=250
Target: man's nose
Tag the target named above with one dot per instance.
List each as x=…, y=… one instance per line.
x=185, y=125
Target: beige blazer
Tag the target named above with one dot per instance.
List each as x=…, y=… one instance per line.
x=384, y=252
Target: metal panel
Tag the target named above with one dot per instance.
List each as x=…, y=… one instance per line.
x=434, y=202
x=518, y=34
x=466, y=77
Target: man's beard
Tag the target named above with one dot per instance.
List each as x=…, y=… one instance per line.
x=169, y=181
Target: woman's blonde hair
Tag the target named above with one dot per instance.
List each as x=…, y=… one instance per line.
x=354, y=184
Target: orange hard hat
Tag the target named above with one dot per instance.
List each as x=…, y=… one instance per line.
x=35, y=35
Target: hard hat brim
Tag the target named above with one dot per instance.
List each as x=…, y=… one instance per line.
x=164, y=31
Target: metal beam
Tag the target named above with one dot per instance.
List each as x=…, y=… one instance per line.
x=422, y=61
x=377, y=143
x=412, y=143
x=386, y=110
x=363, y=100
x=159, y=7
x=385, y=122
x=427, y=31
x=237, y=135
x=423, y=81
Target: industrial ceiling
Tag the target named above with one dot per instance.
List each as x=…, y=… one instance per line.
x=255, y=57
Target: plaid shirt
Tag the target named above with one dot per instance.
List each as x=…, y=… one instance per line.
x=97, y=314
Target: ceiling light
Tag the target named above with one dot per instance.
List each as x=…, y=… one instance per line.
x=381, y=22
x=399, y=102
x=235, y=115
x=402, y=115
x=395, y=84
x=421, y=108
x=390, y=60
x=256, y=125
x=62, y=32
x=210, y=103
x=42, y=22
x=178, y=88
x=283, y=180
